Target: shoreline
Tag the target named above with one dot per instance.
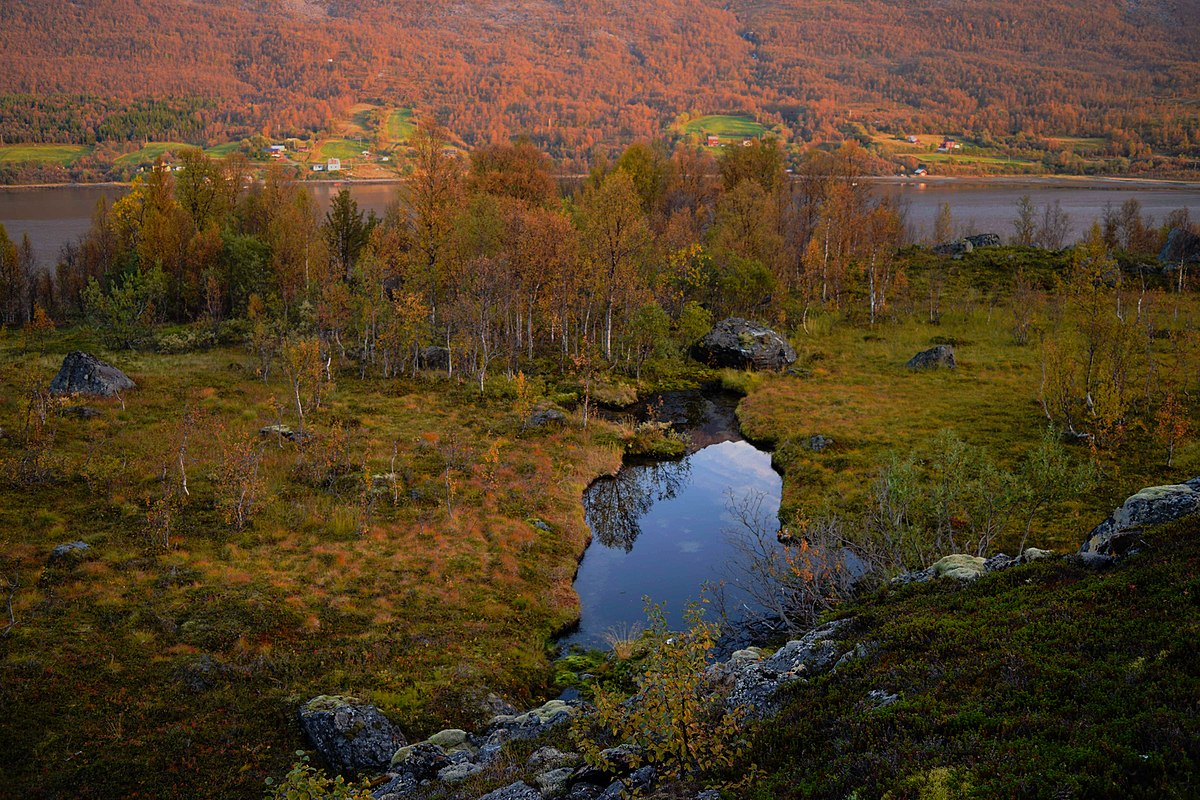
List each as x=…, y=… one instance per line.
x=1043, y=181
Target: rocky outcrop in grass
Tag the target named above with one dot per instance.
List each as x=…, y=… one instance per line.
x=352, y=736
x=82, y=373
x=741, y=344
x=1154, y=505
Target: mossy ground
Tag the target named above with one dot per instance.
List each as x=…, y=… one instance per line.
x=1049, y=680
x=416, y=607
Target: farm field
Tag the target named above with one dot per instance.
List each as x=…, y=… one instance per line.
x=724, y=125
x=63, y=154
x=400, y=125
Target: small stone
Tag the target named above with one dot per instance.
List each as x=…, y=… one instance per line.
x=881, y=699
x=70, y=551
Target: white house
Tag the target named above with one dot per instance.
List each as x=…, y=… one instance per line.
x=334, y=165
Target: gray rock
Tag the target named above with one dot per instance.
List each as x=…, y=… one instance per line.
x=1182, y=247
x=938, y=357
x=753, y=684
x=514, y=791
x=999, y=561
x=352, y=736
x=1095, y=560
x=584, y=791
x=819, y=443
x=957, y=248
x=879, y=698
x=984, y=240
x=553, y=757
x=422, y=760
x=546, y=416
x=531, y=724
x=1154, y=505
x=738, y=343
x=82, y=373
x=284, y=432
x=400, y=786
x=458, y=772
x=553, y=780
x=70, y=551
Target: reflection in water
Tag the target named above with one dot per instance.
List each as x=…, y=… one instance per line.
x=615, y=506
x=659, y=530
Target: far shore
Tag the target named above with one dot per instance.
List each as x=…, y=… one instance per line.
x=1091, y=181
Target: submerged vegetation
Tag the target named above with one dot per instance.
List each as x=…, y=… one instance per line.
x=355, y=457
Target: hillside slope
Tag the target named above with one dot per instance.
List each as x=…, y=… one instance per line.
x=578, y=72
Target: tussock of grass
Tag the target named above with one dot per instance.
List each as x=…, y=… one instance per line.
x=415, y=604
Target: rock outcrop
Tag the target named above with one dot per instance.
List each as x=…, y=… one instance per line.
x=82, y=373
x=352, y=736
x=938, y=357
x=985, y=240
x=1154, y=505
x=1182, y=247
x=752, y=681
x=738, y=343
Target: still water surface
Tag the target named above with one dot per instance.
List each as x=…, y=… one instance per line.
x=662, y=529
x=55, y=215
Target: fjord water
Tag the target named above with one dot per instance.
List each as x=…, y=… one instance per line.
x=662, y=529
x=55, y=215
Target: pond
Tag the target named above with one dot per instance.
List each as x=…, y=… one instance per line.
x=663, y=529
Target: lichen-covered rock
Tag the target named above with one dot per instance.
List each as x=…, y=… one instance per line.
x=82, y=373
x=753, y=683
x=552, y=781
x=960, y=567
x=351, y=735
x=458, y=772
x=738, y=343
x=1034, y=554
x=506, y=727
x=940, y=357
x=422, y=760
x=514, y=791
x=956, y=248
x=1154, y=505
x=985, y=240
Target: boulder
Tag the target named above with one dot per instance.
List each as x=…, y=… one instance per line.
x=960, y=567
x=956, y=249
x=422, y=761
x=70, y=551
x=514, y=791
x=458, y=772
x=737, y=343
x=1182, y=247
x=546, y=416
x=985, y=240
x=1154, y=505
x=352, y=736
x=82, y=373
x=752, y=683
x=934, y=358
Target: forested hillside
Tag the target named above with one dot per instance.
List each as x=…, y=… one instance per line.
x=582, y=72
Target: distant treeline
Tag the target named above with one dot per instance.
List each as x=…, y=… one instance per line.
x=85, y=119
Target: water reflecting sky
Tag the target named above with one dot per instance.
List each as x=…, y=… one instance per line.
x=660, y=530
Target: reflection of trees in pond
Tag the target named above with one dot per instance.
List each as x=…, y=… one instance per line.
x=615, y=506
